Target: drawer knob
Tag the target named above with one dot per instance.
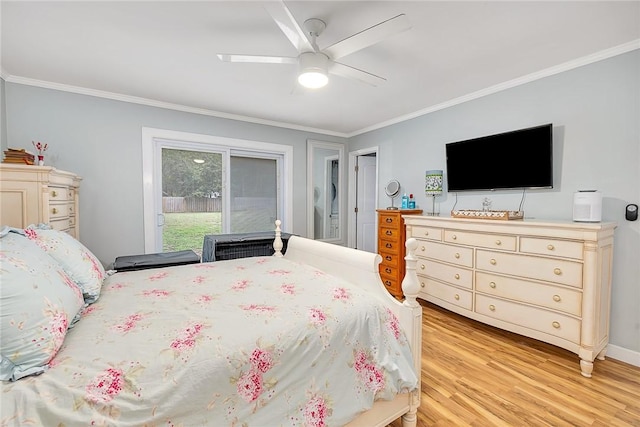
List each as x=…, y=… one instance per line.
x=422, y=266
x=388, y=245
x=388, y=270
x=426, y=233
x=556, y=325
x=54, y=193
x=457, y=255
x=422, y=285
x=423, y=249
x=456, y=296
x=550, y=247
x=454, y=237
x=498, y=242
x=54, y=210
x=457, y=276
x=389, y=220
x=388, y=232
x=492, y=307
x=557, y=271
x=492, y=284
x=388, y=258
x=556, y=298
x=493, y=261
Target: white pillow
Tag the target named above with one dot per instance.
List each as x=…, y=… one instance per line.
x=80, y=264
x=38, y=302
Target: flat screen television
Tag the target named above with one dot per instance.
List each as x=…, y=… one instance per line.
x=518, y=159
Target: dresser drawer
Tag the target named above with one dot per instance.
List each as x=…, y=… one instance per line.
x=58, y=211
x=447, y=253
x=389, y=246
x=447, y=273
x=538, y=319
x=548, y=296
x=556, y=248
x=392, y=284
x=491, y=241
x=389, y=220
x=427, y=233
x=530, y=267
x=450, y=294
x=61, y=224
x=392, y=234
x=390, y=259
x=389, y=270
x=58, y=193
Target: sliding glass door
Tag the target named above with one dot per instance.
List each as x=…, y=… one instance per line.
x=198, y=188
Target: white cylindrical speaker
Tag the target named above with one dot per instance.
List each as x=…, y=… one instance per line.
x=587, y=206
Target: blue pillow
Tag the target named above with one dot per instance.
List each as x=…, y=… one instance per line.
x=38, y=302
x=77, y=261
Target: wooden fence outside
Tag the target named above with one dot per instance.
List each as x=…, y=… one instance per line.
x=191, y=204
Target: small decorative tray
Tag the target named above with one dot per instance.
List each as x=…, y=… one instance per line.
x=499, y=215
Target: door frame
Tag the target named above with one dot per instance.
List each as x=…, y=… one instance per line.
x=353, y=185
x=150, y=139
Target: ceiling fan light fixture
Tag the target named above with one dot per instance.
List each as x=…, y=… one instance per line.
x=313, y=70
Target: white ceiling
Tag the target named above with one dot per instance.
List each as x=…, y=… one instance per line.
x=165, y=52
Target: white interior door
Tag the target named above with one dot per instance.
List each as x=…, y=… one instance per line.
x=366, y=203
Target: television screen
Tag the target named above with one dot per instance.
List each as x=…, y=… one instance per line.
x=517, y=159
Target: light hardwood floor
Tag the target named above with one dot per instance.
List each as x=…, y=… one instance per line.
x=477, y=375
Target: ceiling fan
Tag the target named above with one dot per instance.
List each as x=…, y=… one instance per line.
x=315, y=64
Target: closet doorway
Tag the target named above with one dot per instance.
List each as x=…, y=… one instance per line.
x=363, y=199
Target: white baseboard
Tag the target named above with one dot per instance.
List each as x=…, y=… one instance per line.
x=623, y=354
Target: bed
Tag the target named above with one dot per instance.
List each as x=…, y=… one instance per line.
x=311, y=338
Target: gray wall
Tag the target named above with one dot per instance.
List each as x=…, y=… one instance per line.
x=100, y=140
x=3, y=118
x=595, y=111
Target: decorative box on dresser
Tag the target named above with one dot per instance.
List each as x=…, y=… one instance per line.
x=547, y=280
x=391, y=239
x=39, y=194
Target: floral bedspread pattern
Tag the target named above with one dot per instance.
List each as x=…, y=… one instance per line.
x=250, y=342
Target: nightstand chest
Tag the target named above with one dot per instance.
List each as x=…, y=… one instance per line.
x=391, y=239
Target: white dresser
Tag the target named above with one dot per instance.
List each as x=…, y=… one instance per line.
x=39, y=194
x=547, y=280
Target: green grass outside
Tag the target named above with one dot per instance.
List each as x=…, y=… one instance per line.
x=183, y=231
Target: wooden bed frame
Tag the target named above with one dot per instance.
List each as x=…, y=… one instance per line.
x=361, y=269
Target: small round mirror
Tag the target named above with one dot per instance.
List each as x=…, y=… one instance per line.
x=392, y=189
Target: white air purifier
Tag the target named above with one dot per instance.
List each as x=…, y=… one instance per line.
x=587, y=206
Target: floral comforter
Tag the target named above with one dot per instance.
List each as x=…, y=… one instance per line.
x=249, y=342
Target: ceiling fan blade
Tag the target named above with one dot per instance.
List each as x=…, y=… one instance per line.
x=368, y=37
x=229, y=57
x=283, y=17
x=355, y=74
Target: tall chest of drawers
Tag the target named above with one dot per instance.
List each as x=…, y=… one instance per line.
x=39, y=194
x=546, y=280
x=391, y=239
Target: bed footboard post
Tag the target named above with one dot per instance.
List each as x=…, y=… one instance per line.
x=410, y=288
x=277, y=242
x=410, y=285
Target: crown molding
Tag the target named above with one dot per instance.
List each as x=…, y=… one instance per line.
x=566, y=66
x=570, y=65
x=161, y=104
